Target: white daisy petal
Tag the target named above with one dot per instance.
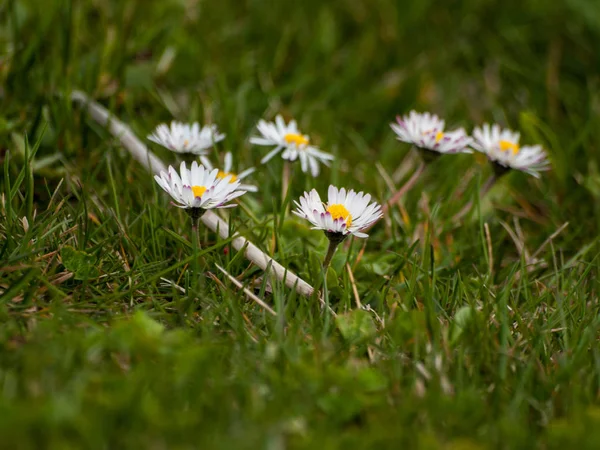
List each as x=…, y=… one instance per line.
x=271, y=154
x=249, y=187
x=227, y=162
x=303, y=161
x=502, y=147
x=426, y=131
x=346, y=212
x=244, y=173
x=295, y=145
x=162, y=183
x=206, y=162
x=198, y=188
x=185, y=138
x=261, y=141
x=217, y=177
x=314, y=166
x=290, y=154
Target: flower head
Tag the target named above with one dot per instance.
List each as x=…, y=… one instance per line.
x=233, y=176
x=186, y=138
x=426, y=131
x=294, y=144
x=502, y=148
x=344, y=213
x=199, y=188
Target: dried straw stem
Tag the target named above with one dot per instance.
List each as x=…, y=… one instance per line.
x=145, y=157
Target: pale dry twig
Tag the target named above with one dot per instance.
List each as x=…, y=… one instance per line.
x=140, y=152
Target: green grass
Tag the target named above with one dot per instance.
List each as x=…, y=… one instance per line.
x=463, y=348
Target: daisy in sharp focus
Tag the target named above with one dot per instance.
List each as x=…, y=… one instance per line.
x=228, y=164
x=199, y=189
x=426, y=132
x=294, y=144
x=502, y=148
x=345, y=213
x=186, y=138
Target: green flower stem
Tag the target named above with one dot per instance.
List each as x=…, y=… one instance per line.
x=484, y=190
x=285, y=179
x=195, y=214
x=335, y=239
x=404, y=189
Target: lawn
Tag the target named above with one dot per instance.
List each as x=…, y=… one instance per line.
x=440, y=330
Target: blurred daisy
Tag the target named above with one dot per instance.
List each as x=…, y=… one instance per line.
x=233, y=176
x=294, y=144
x=199, y=189
x=502, y=148
x=426, y=132
x=185, y=138
x=345, y=212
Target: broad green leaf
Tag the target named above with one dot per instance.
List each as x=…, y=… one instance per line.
x=356, y=326
x=82, y=264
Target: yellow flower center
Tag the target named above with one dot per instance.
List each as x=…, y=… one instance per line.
x=339, y=211
x=438, y=136
x=186, y=143
x=294, y=138
x=507, y=145
x=198, y=191
x=221, y=175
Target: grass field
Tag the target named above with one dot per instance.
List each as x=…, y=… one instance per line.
x=473, y=335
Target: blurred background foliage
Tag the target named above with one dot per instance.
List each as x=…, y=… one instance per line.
x=345, y=68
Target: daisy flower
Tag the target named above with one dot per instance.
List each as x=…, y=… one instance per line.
x=345, y=212
x=426, y=132
x=185, y=138
x=502, y=148
x=294, y=144
x=198, y=189
x=234, y=177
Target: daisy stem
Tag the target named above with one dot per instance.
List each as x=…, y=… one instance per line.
x=195, y=214
x=335, y=239
x=404, y=189
x=484, y=190
x=330, y=252
x=195, y=249
x=285, y=179
x=196, y=234
x=488, y=184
